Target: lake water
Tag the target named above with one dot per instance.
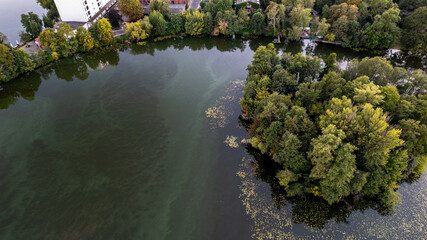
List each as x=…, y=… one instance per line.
x=128, y=143
x=10, y=16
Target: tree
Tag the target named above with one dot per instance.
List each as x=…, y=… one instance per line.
x=46, y=4
x=13, y=63
x=135, y=31
x=391, y=99
x=411, y=5
x=343, y=9
x=158, y=22
x=6, y=63
x=176, y=24
x=300, y=16
x=85, y=39
x=368, y=93
x=208, y=23
x=146, y=25
x=290, y=155
x=114, y=17
x=131, y=8
x=194, y=23
x=306, y=68
x=415, y=38
x=24, y=37
x=63, y=43
x=227, y=22
x=215, y=6
x=47, y=22
x=283, y=82
x=32, y=24
x=384, y=31
x=105, y=32
x=275, y=13
x=3, y=38
x=378, y=69
x=371, y=8
x=352, y=146
x=161, y=6
x=330, y=62
x=257, y=23
x=53, y=14
x=49, y=39
x=242, y=21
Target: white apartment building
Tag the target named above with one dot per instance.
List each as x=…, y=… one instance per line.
x=79, y=10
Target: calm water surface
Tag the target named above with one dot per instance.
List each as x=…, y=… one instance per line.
x=118, y=145
x=10, y=16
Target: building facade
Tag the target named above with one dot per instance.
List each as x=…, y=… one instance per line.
x=79, y=10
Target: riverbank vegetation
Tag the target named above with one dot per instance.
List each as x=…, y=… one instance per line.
x=369, y=24
x=337, y=134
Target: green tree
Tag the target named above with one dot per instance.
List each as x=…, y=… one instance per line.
x=46, y=4
x=146, y=25
x=330, y=62
x=85, y=38
x=131, y=8
x=13, y=63
x=49, y=39
x=135, y=31
x=384, y=32
x=290, y=155
x=275, y=13
x=370, y=8
x=283, y=82
x=306, y=68
x=414, y=34
x=257, y=23
x=194, y=23
x=323, y=27
x=6, y=63
x=215, y=6
x=47, y=22
x=391, y=99
x=300, y=16
x=32, y=24
x=161, y=6
x=105, y=33
x=368, y=93
x=158, y=22
x=378, y=69
x=209, y=27
x=176, y=24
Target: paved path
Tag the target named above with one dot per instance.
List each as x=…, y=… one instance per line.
x=120, y=32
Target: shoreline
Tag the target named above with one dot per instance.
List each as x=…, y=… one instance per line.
x=124, y=39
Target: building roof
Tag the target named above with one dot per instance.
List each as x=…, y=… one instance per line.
x=176, y=8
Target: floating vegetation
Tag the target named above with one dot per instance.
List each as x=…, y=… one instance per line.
x=231, y=142
x=409, y=220
x=220, y=112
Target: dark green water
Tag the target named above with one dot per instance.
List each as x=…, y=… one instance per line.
x=118, y=145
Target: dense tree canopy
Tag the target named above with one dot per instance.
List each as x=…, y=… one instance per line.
x=32, y=24
x=336, y=135
x=414, y=36
x=131, y=8
x=161, y=6
x=13, y=62
x=105, y=33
